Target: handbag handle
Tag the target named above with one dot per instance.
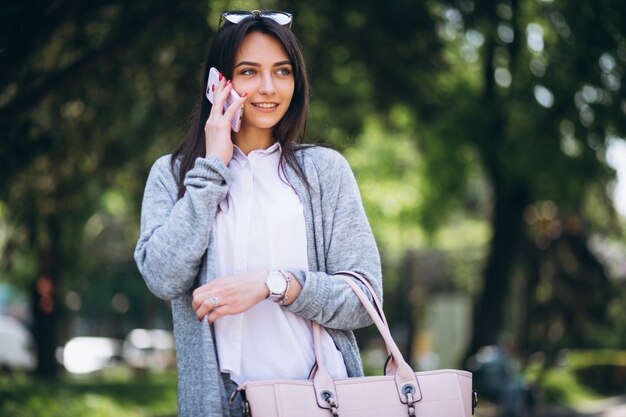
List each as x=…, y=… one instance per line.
x=390, y=364
x=406, y=382
x=377, y=304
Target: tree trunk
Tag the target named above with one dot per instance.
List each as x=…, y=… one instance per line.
x=510, y=198
x=490, y=310
x=45, y=304
x=531, y=277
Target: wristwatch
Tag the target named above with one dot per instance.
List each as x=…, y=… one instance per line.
x=277, y=283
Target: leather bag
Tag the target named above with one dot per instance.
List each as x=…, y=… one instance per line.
x=399, y=393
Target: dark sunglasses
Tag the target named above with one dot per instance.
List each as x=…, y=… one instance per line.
x=236, y=16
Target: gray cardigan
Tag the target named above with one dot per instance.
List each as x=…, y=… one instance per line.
x=174, y=256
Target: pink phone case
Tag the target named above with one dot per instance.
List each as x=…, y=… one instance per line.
x=235, y=122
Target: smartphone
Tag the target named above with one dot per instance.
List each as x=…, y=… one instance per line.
x=214, y=79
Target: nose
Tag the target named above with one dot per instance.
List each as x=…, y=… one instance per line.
x=267, y=85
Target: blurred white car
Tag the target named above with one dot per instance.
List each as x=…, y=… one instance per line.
x=149, y=349
x=82, y=355
x=17, y=347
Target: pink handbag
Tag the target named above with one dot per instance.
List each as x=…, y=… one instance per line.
x=399, y=393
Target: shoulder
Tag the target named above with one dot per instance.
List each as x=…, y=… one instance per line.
x=162, y=167
x=325, y=160
x=163, y=163
x=162, y=175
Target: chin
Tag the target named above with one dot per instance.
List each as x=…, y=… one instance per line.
x=261, y=124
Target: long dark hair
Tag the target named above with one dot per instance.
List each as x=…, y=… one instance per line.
x=289, y=131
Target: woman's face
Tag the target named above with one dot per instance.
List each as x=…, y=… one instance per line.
x=263, y=70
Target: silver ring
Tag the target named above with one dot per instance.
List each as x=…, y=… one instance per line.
x=215, y=300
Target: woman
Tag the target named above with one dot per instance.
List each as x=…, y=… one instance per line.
x=244, y=230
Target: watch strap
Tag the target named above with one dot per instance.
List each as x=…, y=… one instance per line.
x=285, y=298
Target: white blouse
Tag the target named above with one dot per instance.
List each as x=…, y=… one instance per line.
x=260, y=226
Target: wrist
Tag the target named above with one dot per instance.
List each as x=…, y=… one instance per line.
x=284, y=300
x=224, y=158
x=263, y=281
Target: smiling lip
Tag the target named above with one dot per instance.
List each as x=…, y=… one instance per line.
x=265, y=106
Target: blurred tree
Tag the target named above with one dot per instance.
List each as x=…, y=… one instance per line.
x=89, y=93
x=550, y=100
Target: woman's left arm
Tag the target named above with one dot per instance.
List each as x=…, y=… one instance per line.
x=349, y=245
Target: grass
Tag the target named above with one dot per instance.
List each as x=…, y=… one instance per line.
x=104, y=395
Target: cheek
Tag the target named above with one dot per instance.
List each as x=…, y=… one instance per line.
x=241, y=86
x=288, y=89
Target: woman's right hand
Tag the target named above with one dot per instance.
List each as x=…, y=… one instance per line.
x=217, y=130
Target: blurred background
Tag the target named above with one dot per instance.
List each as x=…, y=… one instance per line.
x=487, y=138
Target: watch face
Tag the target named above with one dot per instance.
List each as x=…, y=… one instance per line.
x=276, y=283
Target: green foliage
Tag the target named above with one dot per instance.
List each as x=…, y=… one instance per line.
x=581, y=377
x=408, y=211
x=387, y=166
x=465, y=241
x=151, y=396
x=560, y=386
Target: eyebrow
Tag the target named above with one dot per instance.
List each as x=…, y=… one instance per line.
x=256, y=64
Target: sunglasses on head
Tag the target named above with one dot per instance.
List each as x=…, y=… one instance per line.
x=236, y=16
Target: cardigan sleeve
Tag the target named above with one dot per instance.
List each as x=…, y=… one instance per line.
x=174, y=233
x=345, y=238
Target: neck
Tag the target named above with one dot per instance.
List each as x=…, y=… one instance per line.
x=250, y=139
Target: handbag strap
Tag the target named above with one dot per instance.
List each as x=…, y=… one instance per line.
x=406, y=382
x=390, y=364
x=377, y=304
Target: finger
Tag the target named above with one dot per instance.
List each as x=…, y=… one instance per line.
x=200, y=309
x=222, y=93
x=218, y=95
x=237, y=104
x=201, y=300
x=216, y=313
x=203, y=289
x=203, y=309
x=211, y=301
x=197, y=298
x=197, y=304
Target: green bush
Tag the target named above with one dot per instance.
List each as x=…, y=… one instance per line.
x=560, y=386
